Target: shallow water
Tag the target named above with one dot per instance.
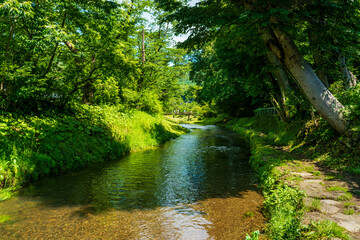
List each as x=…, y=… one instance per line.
x=198, y=186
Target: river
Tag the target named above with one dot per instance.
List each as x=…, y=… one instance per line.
x=198, y=186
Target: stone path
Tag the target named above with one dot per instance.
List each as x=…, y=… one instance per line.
x=330, y=196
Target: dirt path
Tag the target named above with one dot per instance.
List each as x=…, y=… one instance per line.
x=329, y=194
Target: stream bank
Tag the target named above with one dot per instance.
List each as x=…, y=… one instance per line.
x=304, y=199
x=197, y=186
x=37, y=146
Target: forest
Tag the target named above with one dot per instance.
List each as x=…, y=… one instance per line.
x=86, y=81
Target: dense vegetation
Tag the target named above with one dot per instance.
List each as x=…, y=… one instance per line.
x=284, y=205
x=84, y=81
x=300, y=57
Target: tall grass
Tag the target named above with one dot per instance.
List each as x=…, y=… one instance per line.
x=34, y=146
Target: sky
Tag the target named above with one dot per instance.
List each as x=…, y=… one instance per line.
x=181, y=37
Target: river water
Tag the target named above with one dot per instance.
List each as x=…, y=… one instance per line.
x=198, y=186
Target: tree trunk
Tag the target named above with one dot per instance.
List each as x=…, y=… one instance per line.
x=143, y=59
x=319, y=96
x=349, y=78
x=281, y=77
x=277, y=99
x=56, y=47
x=143, y=47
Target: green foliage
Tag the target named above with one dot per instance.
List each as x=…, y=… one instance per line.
x=39, y=146
x=106, y=91
x=315, y=205
x=345, y=197
x=324, y=230
x=57, y=53
x=253, y=236
x=283, y=204
x=336, y=188
x=349, y=211
x=348, y=204
x=351, y=100
x=231, y=51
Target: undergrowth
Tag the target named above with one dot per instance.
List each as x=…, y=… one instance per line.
x=284, y=205
x=36, y=146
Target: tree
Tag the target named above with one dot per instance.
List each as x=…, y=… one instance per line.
x=276, y=24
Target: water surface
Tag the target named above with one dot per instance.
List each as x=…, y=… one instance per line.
x=198, y=186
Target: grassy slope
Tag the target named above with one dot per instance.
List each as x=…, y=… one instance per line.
x=34, y=146
x=284, y=205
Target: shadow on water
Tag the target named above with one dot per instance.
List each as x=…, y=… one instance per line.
x=209, y=162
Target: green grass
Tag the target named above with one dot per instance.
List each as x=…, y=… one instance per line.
x=283, y=204
x=345, y=197
x=348, y=204
x=315, y=205
x=324, y=230
x=349, y=211
x=336, y=188
x=253, y=236
x=37, y=146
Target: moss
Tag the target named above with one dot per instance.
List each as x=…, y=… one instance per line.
x=248, y=214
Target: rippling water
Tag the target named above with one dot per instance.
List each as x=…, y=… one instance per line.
x=197, y=186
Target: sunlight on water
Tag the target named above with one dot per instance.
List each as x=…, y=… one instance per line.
x=198, y=186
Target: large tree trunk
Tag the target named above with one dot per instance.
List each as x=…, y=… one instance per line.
x=348, y=77
x=319, y=96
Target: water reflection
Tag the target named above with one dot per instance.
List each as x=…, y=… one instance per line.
x=198, y=186
x=208, y=162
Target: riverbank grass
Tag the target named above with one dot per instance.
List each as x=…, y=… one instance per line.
x=272, y=159
x=37, y=146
